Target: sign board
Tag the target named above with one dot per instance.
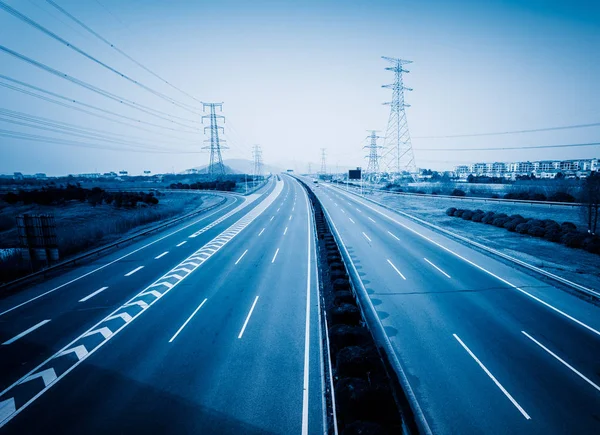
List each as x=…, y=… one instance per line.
x=355, y=174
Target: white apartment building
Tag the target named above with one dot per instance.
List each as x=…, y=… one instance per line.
x=540, y=169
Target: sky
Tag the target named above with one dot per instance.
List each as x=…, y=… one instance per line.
x=298, y=76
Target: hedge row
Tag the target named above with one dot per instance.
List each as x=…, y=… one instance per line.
x=365, y=401
x=565, y=233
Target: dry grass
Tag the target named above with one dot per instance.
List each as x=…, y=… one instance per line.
x=81, y=227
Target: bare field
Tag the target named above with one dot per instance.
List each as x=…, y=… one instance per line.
x=576, y=265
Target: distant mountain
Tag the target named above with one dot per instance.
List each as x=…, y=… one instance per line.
x=239, y=166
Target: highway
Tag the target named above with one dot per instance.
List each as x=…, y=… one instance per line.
x=486, y=348
x=210, y=326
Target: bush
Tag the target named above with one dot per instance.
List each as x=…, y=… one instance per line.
x=568, y=226
x=536, y=223
x=467, y=215
x=522, y=228
x=494, y=195
x=458, y=192
x=459, y=212
x=500, y=221
x=518, y=217
x=537, y=197
x=450, y=211
x=356, y=361
x=536, y=231
x=511, y=225
x=561, y=197
x=341, y=336
x=347, y=314
x=488, y=217
x=550, y=223
x=573, y=239
x=592, y=244
x=477, y=217
x=553, y=234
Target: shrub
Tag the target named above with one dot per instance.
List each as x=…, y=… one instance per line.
x=573, y=239
x=458, y=192
x=537, y=197
x=356, y=361
x=467, y=215
x=511, y=225
x=550, y=223
x=522, y=228
x=553, y=234
x=568, y=226
x=477, y=217
x=536, y=231
x=561, y=197
x=517, y=216
x=500, y=221
x=488, y=217
x=592, y=244
x=495, y=195
x=345, y=314
x=450, y=211
x=535, y=223
x=459, y=212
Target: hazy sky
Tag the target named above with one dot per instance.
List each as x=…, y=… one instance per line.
x=297, y=76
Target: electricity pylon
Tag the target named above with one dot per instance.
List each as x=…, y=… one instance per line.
x=323, y=162
x=398, y=157
x=257, y=155
x=372, y=172
x=216, y=166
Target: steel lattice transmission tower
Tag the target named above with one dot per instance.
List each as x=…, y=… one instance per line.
x=372, y=173
x=323, y=162
x=258, y=163
x=215, y=144
x=398, y=157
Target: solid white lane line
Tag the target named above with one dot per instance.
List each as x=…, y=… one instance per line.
x=248, y=318
x=351, y=220
x=396, y=269
x=394, y=236
x=562, y=361
x=440, y=270
x=187, y=321
x=90, y=296
x=305, y=386
x=261, y=231
x=134, y=271
x=271, y=218
x=367, y=237
x=371, y=219
x=562, y=313
x=285, y=231
x=161, y=255
x=24, y=333
x=241, y=256
x=182, y=243
x=498, y=384
x=275, y=256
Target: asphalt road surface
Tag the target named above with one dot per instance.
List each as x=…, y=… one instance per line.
x=210, y=326
x=487, y=348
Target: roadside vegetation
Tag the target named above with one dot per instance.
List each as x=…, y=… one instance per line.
x=85, y=218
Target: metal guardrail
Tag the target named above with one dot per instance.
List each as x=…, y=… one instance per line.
x=472, y=198
x=97, y=251
x=577, y=287
x=376, y=327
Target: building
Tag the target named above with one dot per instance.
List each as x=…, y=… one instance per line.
x=539, y=169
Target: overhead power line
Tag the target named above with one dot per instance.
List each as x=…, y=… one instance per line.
x=571, y=145
x=72, y=101
x=156, y=113
x=500, y=133
x=73, y=47
x=49, y=139
x=72, y=129
x=117, y=49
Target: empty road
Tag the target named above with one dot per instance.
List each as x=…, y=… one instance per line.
x=208, y=327
x=487, y=348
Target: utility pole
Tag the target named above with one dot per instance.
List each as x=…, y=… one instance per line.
x=398, y=157
x=257, y=156
x=323, y=162
x=372, y=172
x=215, y=167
